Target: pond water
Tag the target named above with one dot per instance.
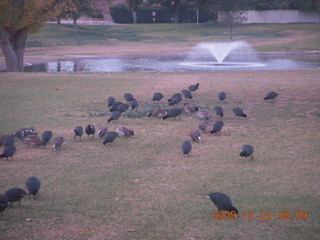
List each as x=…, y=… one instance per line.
x=171, y=62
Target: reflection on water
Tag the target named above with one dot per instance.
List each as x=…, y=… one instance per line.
x=152, y=63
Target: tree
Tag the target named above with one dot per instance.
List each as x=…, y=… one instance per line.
x=133, y=6
x=17, y=19
x=229, y=12
x=76, y=8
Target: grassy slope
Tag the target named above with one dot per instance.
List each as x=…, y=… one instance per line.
x=144, y=184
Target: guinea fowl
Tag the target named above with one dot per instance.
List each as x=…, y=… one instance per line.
x=217, y=126
x=46, y=136
x=239, y=112
x=110, y=137
x=206, y=126
x=195, y=135
x=172, y=113
x=114, y=116
x=247, y=151
x=187, y=94
x=271, y=95
x=33, y=185
x=157, y=96
x=90, y=130
x=186, y=147
x=128, y=96
x=222, y=201
x=193, y=87
x=222, y=96
x=102, y=132
x=78, y=131
x=218, y=110
x=3, y=203
x=15, y=195
x=8, y=151
x=110, y=101
x=58, y=142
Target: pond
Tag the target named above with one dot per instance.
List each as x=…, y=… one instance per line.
x=173, y=62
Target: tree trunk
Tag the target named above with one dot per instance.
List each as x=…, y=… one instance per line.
x=176, y=16
x=13, y=48
x=134, y=16
x=231, y=31
x=75, y=26
x=58, y=20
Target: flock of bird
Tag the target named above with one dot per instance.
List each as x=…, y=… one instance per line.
x=30, y=138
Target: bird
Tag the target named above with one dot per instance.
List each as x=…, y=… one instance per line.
x=90, y=130
x=110, y=101
x=33, y=141
x=134, y=104
x=271, y=96
x=122, y=107
x=218, y=110
x=114, y=106
x=33, y=185
x=6, y=139
x=8, y=151
x=195, y=135
x=239, y=112
x=114, y=116
x=175, y=100
x=172, y=113
x=186, y=148
x=203, y=115
x=58, y=142
x=78, y=131
x=187, y=94
x=158, y=112
x=15, y=195
x=247, y=151
x=206, y=126
x=3, y=203
x=22, y=132
x=222, y=96
x=216, y=127
x=157, y=96
x=190, y=108
x=128, y=96
x=222, y=201
x=109, y=137
x=46, y=136
x=102, y=132
x=124, y=131
x=194, y=87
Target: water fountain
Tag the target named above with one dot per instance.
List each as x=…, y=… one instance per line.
x=233, y=54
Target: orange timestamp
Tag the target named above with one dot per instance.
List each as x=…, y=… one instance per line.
x=249, y=214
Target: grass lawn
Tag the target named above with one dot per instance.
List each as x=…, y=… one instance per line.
x=143, y=187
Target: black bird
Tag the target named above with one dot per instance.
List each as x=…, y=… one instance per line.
x=78, y=131
x=218, y=110
x=58, y=142
x=239, y=112
x=33, y=185
x=46, y=136
x=110, y=137
x=6, y=139
x=186, y=147
x=175, y=100
x=114, y=106
x=90, y=130
x=124, y=131
x=3, y=203
x=271, y=95
x=157, y=96
x=190, y=108
x=134, y=104
x=172, y=113
x=217, y=126
x=102, y=132
x=194, y=87
x=222, y=201
x=222, y=96
x=122, y=107
x=247, y=151
x=195, y=135
x=128, y=96
x=114, y=116
x=15, y=195
x=110, y=101
x=8, y=151
x=187, y=94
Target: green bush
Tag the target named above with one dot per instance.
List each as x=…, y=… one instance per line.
x=121, y=14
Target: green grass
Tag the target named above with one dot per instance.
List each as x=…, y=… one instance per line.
x=57, y=35
x=142, y=187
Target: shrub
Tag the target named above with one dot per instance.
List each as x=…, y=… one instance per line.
x=121, y=14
